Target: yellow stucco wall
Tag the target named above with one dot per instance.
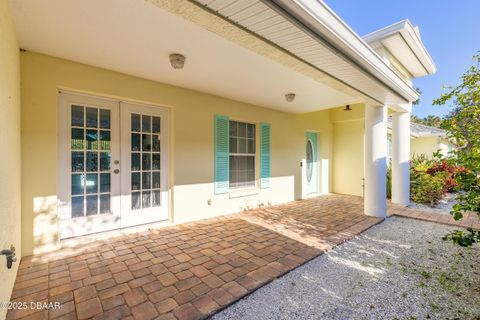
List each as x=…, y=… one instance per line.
x=424, y=145
x=191, y=153
x=10, y=161
x=348, y=140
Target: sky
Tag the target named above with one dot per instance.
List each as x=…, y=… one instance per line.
x=450, y=30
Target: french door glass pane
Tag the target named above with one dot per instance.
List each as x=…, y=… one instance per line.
x=156, y=180
x=156, y=143
x=91, y=118
x=136, y=181
x=77, y=184
x=77, y=207
x=90, y=160
x=104, y=203
x=77, y=161
x=145, y=161
x=136, y=201
x=92, y=139
x=156, y=198
x=146, y=120
x=77, y=116
x=104, y=182
x=146, y=142
x=136, y=123
x=146, y=201
x=135, y=142
x=104, y=161
x=104, y=138
x=77, y=139
x=92, y=205
x=156, y=161
x=156, y=124
x=104, y=119
x=135, y=161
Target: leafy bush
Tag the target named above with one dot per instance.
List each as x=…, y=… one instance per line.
x=430, y=179
x=450, y=171
x=426, y=186
x=389, y=181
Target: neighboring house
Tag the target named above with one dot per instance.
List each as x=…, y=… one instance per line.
x=137, y=112
x=428, y=140
x=425, y=140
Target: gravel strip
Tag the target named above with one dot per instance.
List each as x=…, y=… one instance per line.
x=444, y=206
x=399, y=269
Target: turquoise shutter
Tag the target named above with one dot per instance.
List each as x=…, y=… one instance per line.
x=222, y=149
x=264, y=155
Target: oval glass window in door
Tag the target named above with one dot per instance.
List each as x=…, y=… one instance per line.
x=309, y=160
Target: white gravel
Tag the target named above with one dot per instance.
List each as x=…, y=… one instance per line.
x=399, y=269
x=444, y=206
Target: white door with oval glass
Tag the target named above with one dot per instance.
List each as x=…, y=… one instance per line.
x=113, y=165
x=311, y=169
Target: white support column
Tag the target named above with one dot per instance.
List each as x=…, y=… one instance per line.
x=375, y=161
x=401, y=158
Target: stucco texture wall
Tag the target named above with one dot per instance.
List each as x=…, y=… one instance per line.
x=348, y=142
x=10, y=161
x=424, y=145
x=191, y=136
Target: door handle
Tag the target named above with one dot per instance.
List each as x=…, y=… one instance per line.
x=116, y=171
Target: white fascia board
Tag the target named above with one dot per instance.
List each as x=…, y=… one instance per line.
x=411, y=37
x=319, y=18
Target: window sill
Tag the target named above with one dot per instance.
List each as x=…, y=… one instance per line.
x=243, y=192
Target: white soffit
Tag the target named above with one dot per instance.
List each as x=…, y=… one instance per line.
x=403, y=41
x=272, y=21
x=135, y=37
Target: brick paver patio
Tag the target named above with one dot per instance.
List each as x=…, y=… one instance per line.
x=188, y=271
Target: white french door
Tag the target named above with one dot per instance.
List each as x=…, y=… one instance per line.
x=144, y=164
x=113, y=164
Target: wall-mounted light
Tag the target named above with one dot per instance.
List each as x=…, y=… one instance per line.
x=347, y=108
x=177, y=60
x=290, y=97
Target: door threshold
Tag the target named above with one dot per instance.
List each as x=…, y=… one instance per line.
x=74, y=241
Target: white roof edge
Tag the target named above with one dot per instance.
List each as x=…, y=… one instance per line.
x=406, y=28
x=319, y=18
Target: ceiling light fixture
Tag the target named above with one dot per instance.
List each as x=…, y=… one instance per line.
x=347, y=108
x=290, y=97
x=177, y=60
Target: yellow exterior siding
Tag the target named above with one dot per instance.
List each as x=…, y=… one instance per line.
x=429, y=145
x=191, y=144
x=348, y=136
x=10, y=161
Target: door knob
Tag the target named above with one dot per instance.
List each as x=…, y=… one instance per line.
x=10, y=254
x=116, y=171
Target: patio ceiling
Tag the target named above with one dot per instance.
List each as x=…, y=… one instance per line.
x=135, y=37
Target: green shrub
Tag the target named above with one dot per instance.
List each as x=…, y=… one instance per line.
x=389, y=181
x=426, y=188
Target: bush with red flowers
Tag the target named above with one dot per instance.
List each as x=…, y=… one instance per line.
x=449, y=170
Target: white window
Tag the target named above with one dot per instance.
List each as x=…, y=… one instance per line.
x=242, y=154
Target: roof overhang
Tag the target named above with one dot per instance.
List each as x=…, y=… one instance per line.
x=313, y=33
x=264, y=47
x=403, y=41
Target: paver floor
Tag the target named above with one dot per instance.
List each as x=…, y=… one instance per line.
x=187, y=271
